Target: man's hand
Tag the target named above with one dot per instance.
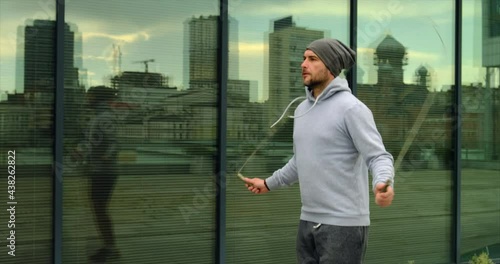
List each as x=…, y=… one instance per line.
x=255, y=185
x=384, y=193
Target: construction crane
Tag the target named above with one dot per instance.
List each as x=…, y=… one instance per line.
x=145, y=63
x=117, y=59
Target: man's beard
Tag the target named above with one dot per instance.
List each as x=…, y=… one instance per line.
x=314, y=82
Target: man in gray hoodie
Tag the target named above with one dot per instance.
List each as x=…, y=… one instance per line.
x=335, y=143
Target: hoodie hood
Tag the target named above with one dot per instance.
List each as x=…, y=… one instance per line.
x=335, y=86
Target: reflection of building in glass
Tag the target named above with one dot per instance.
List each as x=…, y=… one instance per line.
x=200, y=76
x=35, y=73
x=200, y=51
x=78, y=55
x=491, y=18
x=39, y=70
x=287, y=44
x=397, y=105
x=479, y=122
x=143, y=100
x=16, y=124
x=20, y=60
x=180, y=112
x=390, y=58
x=145, y=90
x=491, y=61
x=158, y=113
x=39, y=63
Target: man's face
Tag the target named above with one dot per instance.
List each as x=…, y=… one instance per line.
x=314, y=71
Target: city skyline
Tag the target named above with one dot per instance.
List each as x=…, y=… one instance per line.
x=98, y=38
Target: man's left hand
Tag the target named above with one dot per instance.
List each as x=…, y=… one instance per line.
x=383, y=199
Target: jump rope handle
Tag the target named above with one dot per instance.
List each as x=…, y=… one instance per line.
x=387, y=184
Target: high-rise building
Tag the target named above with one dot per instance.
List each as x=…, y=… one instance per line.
x=491, y=33
x=78, y=57
x=40, y=68
x=287, y=44
x=491, y=61
x=39, y=61
x=200, y=51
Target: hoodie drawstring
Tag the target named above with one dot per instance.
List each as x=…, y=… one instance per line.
x=297, y=116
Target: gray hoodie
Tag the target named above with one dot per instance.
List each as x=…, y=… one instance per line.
x=334, y=144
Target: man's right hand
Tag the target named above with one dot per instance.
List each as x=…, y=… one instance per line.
x=255, y=185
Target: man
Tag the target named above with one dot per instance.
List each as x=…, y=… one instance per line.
x=335, y=143
x=101, y=166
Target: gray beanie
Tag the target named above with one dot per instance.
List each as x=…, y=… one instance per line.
x=335, y=55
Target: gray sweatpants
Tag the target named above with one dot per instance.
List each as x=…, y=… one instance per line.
x=329, y=244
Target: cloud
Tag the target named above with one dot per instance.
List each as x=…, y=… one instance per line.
x=7, y=48
x=249, y=48
x=398, y=8
x=406, y=8
x=412, y=55
x=91, y=73
x=427, y=57
x=471, y=9
x=277, y=8
x=127, y=38
x=365, y=50
x=441, y=77
x=8, y=39
x=97, y=58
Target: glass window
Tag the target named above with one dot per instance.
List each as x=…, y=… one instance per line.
x=26, y=123
x=407, y=81
x=267, y=40
x=140, y=188
x=480, y=208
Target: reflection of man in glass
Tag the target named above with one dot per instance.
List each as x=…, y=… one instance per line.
x=335, y=142
x=101, y=166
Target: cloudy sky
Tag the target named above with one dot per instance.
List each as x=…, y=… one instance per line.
x=155, y=30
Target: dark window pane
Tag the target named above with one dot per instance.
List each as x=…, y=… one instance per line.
x=140, y=138
x=268, y=40
x=407, y=82
x=27, y=73
x=480, y=210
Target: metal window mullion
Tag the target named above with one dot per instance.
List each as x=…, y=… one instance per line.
x=353, y=41
x=457, y=135
x=222, y=74
x=59, y=133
